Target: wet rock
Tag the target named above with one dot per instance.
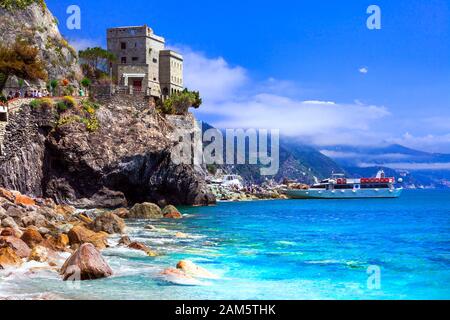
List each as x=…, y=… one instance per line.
x=32, y=237
x=43, y=254
x=109, y=223
x=83, y=217
x=9, y=258
x=142, y=247
x=192, y=269
x=80, y=235
x=17, y=245
x=171, y=212
x=145, y=210
x=125, y=241
x=86, y=263
x=121, y=212
x=179, y=277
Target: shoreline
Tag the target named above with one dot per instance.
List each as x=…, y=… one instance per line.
x=68, y=239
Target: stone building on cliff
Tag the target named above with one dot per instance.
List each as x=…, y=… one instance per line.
x=143, y=62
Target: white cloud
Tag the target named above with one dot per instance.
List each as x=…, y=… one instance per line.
x=409, y=166
x=82, y=44
x=364, y=70
x=213, y=77
x=430, y=143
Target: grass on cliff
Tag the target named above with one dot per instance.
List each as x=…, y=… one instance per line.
x=20, y=4
x=85, y=113
x=69, y=111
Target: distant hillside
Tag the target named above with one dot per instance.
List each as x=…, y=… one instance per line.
x=297, y=162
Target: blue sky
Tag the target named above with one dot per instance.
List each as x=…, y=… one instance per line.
x=296, y=65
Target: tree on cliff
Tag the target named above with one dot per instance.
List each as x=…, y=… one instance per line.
x=20, y=60
x=95, y=62
x=180, y=102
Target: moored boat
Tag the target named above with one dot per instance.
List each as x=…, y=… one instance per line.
x=339, y=187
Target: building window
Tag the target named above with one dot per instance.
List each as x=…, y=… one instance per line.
x=123, y=60
x=135, y=59
x=123, y=45
x=155, y=60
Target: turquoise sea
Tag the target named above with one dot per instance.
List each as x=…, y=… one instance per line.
x=280, y=250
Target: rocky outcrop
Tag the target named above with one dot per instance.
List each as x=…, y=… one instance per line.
x=86, y=263
x=128, y=160
x=171, y=212
x=145, y=210
x=36, y=25
x=109, y=223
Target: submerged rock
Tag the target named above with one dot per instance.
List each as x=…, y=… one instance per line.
x=171, y=212
x=142, y=247
x=125, y=241
x=109, y=223
x=145, y=210
x=192, y=269
x=86, y=263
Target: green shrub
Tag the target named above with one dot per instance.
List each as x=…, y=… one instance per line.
x=35, y=104
x=61, y=106
x=70, y=102
x=46, y=103
x=180, y=102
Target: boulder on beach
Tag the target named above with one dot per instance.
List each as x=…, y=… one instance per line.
x=109, y=223
x=171, y=212
x=86, y=263
x=121, y=212
x=17, y=245
x=192, y=269
x=32, y=237
x=145, y=210
x=43, y=254
x=142, y=247
x=9, y=258
x=80, y=235
x=181, y=235
x=58, y=243
x=65, y=210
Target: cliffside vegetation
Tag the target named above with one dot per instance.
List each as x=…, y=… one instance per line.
x=95, y=62
x=20, y=60
x=20, y=4
x=180, y=102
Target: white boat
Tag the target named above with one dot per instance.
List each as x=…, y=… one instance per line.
x=233, y=181
x=339, y=187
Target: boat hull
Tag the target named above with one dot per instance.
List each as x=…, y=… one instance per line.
x=344, y=194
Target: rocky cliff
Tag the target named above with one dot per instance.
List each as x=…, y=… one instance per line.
x=34, y=23
x=128, y=159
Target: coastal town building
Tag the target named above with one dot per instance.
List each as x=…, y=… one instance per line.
x=143, y=62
